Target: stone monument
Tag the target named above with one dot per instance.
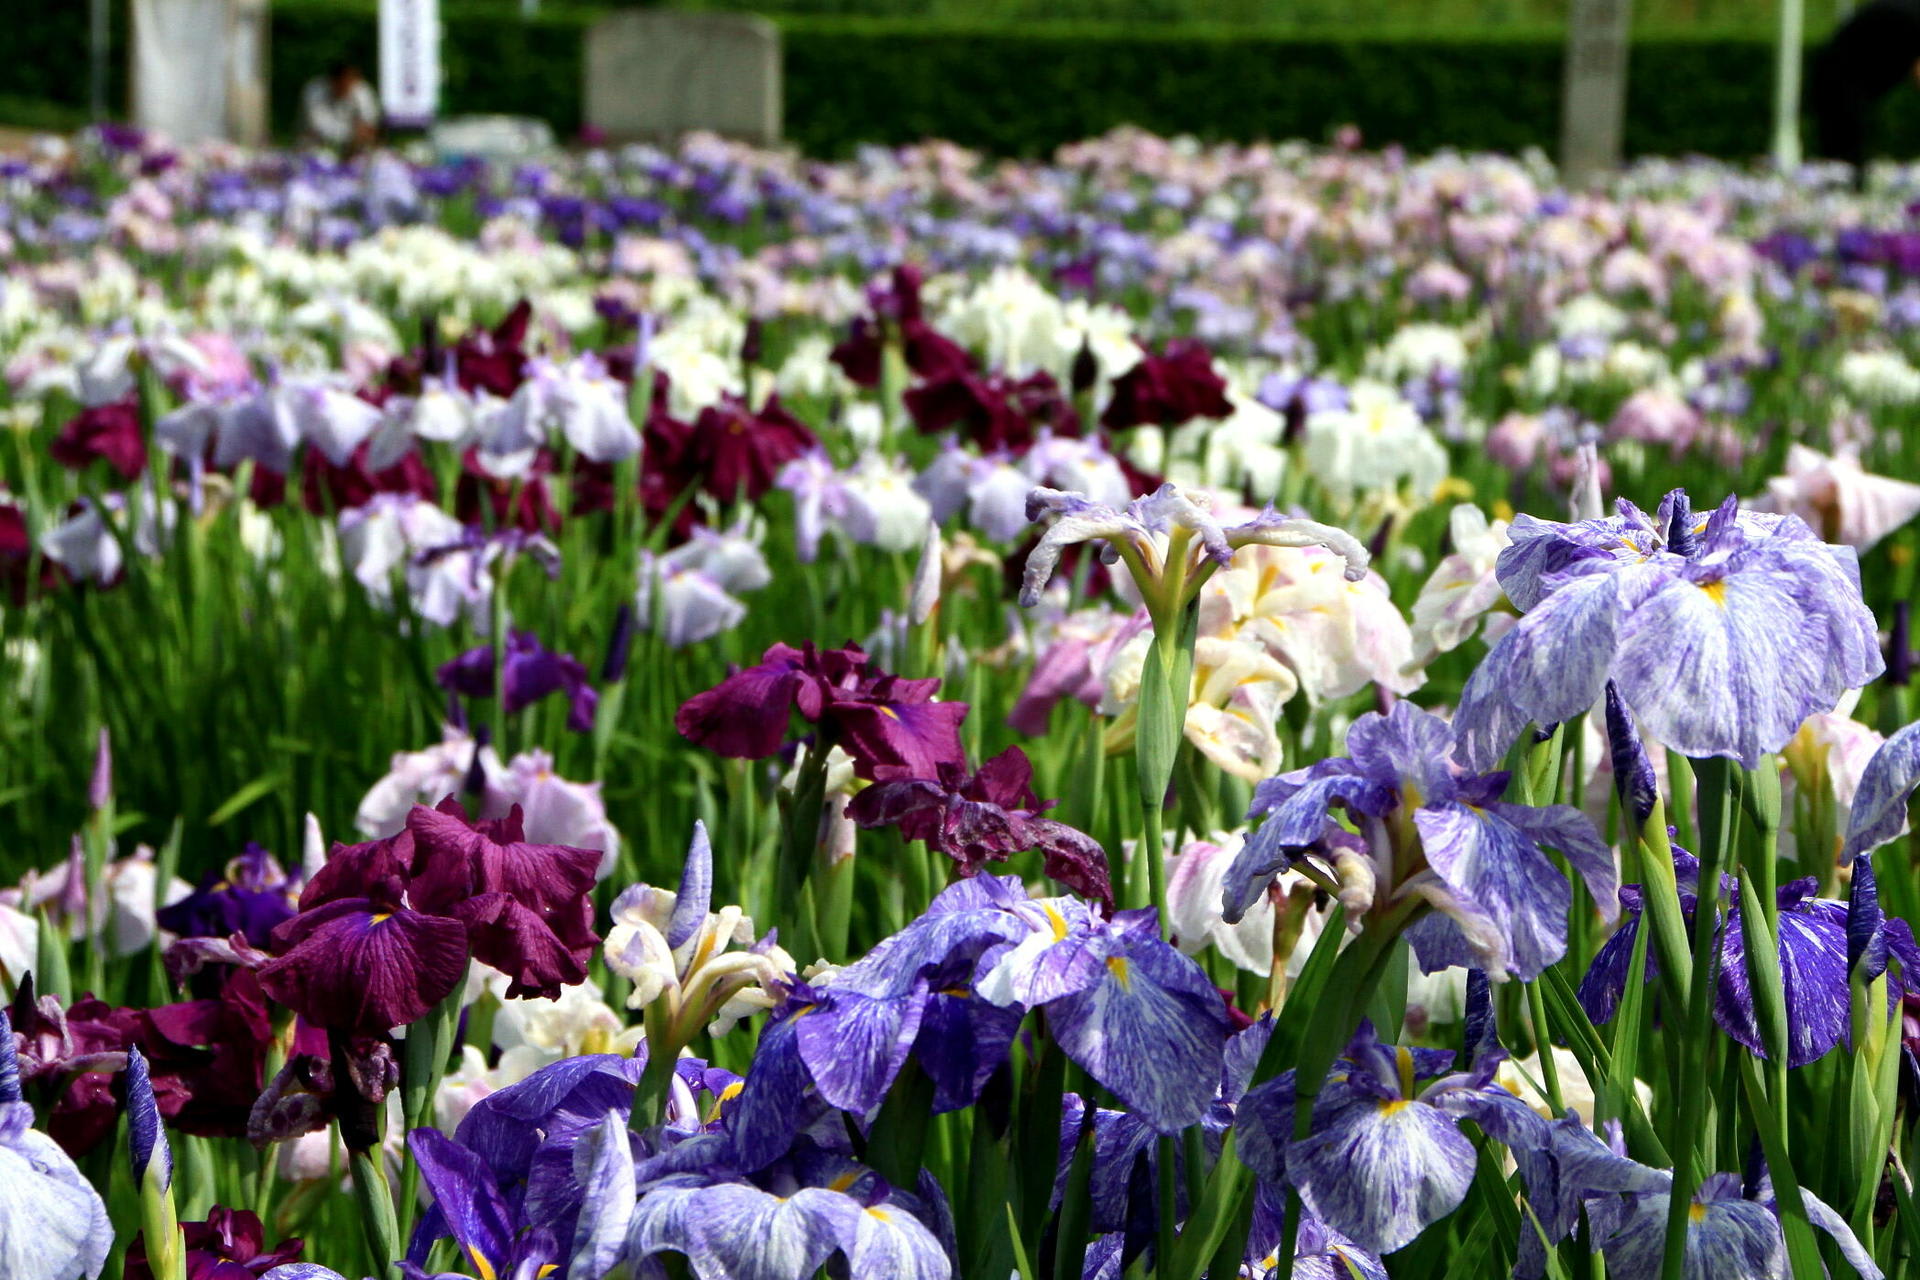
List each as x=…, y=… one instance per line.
x=1593, y=99
x=656, y=74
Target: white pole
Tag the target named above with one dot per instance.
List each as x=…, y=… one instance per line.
x=1786, y=85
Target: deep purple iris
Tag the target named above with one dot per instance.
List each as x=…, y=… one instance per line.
x=530, y=672
x=250, y=896
x=985, y=817
x=386, y=928
x=229, y=1245
x=881, y=720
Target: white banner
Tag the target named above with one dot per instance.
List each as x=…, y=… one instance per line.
x=410, y=61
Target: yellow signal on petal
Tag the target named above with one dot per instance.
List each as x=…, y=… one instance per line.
x=1716, y=591
x=1117, y=965
x=480, y=1264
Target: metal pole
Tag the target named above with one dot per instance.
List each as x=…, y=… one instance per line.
x=101, y=32
x=1786, y=85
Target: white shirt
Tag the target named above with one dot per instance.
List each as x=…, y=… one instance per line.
x=334, y=120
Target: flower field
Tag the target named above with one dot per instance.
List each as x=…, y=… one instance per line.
x=1175, y=711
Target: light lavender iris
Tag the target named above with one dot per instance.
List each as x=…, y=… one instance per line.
x=1433, y=828
x=1723, y=634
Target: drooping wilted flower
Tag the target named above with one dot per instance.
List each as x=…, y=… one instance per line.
x=879, y=719
x=985, y=817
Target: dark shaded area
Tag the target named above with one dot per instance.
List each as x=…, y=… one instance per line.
x=1023, y=91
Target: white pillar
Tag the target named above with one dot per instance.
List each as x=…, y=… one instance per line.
x=1786, y=85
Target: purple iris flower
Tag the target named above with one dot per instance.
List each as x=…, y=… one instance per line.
x=1433, y=828
x=1815, y=951
x=1384, y=1158
x=530, y=672
x=1722, y=634
x=250, y=896
x=880, y=720
x=386, y=928
x=1733, y=1230
x=950, y=991
x=985, y=817
x=1880, y=802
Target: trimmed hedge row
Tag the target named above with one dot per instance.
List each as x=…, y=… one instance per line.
x=1024, y=91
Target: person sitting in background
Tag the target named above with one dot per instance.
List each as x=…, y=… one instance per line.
x=339, y=109
x=1868, y=56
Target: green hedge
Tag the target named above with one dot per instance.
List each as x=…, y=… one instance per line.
x=1021, y=91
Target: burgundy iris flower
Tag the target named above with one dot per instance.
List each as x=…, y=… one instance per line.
x=229, y=1245
x=386, y=928
x=530, y=672
x=736, y=453
x=993, y=410
x=881, y=720
x=110, y=432
x=985, y=817
x=897, y=303
x=1165, y=390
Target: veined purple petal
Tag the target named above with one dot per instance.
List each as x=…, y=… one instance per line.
x=691, y=903
x=9, y=1062
x=1866, y=923
x=1506, y=899
x=854, y=1045
x=603, y=1167
x=1813, y=969
x=146, y=1135
x=53, y=1224
x=476, y=1215
x=1381, y=1171
x=1550, y=668
x=1880, y=801
x=1730, y=666
x=1151, y=1028
x=741, y=1232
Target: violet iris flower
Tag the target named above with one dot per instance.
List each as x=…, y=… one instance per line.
x=1816, y=954
x=1722, y=634
x=386, y=928
x=1384, y=1158
x=530, y=672
x=1733, y=1230
x=950, y=991
x=878, y=719
x=1880, y=802
x=1435, y=829
x=984, y=817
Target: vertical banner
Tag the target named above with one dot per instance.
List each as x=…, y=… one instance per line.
x=410, y=62
x=1593, y=98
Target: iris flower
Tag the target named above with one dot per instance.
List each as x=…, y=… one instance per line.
x=530, y=672
x=386, y=928
x=1815, y=958
x=1431, y=829
x=950, y=991
x=1384, y=1158
x=1722, y=633
x=1733, y=1229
